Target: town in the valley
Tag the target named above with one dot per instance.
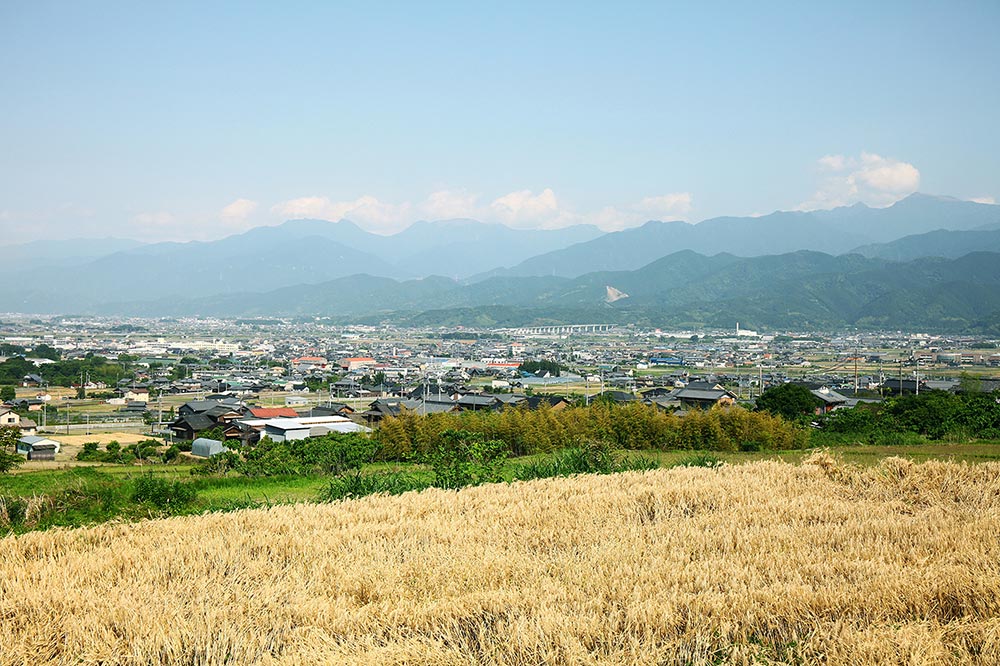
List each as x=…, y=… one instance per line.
x=183, y=379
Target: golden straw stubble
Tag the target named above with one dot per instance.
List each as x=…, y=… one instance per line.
x=759, y=563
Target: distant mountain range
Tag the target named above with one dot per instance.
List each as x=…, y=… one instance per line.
x=939, y=243
x=800, y=290
x=834, y=231
x=788, y=270
x=61, y=253
x=265, y=258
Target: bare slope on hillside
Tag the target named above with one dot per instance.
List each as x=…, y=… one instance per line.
x=768, y=561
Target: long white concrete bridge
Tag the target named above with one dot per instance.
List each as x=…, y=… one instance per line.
x=567, y=329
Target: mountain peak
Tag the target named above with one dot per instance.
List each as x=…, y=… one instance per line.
x=921, y=197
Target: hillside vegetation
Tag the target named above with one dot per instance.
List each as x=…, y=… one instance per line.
x=798, y=290
x=759, y=563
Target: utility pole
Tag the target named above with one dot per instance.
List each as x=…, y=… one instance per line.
x=855, y=372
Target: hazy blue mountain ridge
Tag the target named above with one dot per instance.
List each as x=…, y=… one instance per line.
x=659, y=265
x=836, y=231
x=799, y=290
x=940, y=243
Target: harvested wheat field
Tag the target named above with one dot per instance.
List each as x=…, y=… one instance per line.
x=760, y=563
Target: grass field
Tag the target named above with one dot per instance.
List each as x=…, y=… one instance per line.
x=766, y=562
x=91, y=479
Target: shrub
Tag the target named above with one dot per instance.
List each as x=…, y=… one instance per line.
x=701, y=460
x=163, y=494
x=218, y=465
x=10, y=461
x=591, y=458
x=268, y=458
x=464, y=458
x=334, y=453
x=358, y=485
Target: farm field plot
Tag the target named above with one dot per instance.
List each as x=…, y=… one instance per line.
x=766, y=562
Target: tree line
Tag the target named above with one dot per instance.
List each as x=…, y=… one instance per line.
x=624, y=426
x=933, y=414
x=65, y=372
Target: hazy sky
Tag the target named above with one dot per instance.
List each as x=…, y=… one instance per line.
x=176, y=120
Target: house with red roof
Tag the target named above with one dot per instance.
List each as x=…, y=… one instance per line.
x=273, y=413
x=307, y=363
x=356, y=362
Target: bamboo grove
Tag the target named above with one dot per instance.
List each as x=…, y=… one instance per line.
x=624, y=426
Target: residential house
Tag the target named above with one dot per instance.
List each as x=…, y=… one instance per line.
x=134, y=407
x=8, y=417
x=896, y=386
x=284, y=430
x=831, y=399
x=187, y=426
x=32, y=380
x=353, y=363
x=477, y=403
x=332, y=409
x=197, y=416
x=383, y=407
x=272, y=412
x=615, y=396
x=555, y=402
x=703, y=395
x=136, y=395
x=309, y=363
x=29, y=404
x=201, y=406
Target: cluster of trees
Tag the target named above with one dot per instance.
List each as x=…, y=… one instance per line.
x=334, y=454
x=65, y=372
x=9, y=458
x=934, y=414
x=146, y=450
x=542, y=367
x=39, y=351
x=789, y=401
x=629, y=426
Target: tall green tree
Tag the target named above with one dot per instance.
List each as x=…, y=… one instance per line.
x=791, y=401
x=45, y=351
x=9, y=459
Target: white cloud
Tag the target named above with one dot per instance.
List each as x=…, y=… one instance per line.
x=367, y=211
x=833, y=162
x=677, y=204
x=152, y=220
x=155, y=226
x=870, y=179
x=665, y=207
x=524, y=208
x=887, y=175
x=238, y=210
x=449, y=204
x=983, y=200
x=308, y=207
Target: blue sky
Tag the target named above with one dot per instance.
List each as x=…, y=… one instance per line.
x=197, y=120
